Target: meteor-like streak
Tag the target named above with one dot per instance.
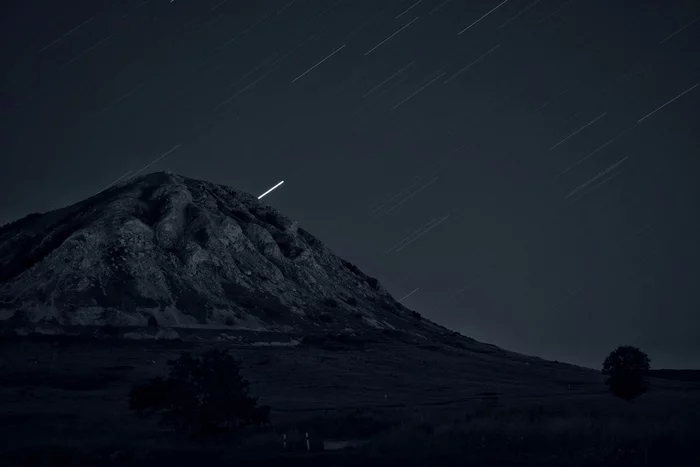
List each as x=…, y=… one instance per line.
x=408, y=9
x=562, y=124
x=413, y=234
x=462, y=289
x=494, y=9
x=579, y=130
x=396, y=195
x=423, y=187
x=261, y=65
x=273, y=67
x=329, y=56
x=244, y=89
x=554, y=12
x=156, y=160
x=593, y=179
x=99, y=43
x=679, y=30
x=553, y=99
x=242, y=78
x=599, y=148
x=419, y=90
x=439, y=166
x=597, y=185
x=423, y=233
x=659, y=108
x=387, y=89
x=114, y=182
x=133, y=10
x=630, y=74
x=286, y=6
x=408, y=295
x=518, y=15
x=67, y=34
x=385, y=40
x=250, y=28
x=268, y=191
x=125, y=96
x=440, y=6
x=93, y=47
x=275, y=64
x=388, y=79
x=217, y=6
x=470, y=65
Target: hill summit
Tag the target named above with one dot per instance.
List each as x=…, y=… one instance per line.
x=187, y=252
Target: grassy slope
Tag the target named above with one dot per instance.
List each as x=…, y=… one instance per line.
x=439, y=401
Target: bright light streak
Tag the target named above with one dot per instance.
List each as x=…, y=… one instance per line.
x=268, y=191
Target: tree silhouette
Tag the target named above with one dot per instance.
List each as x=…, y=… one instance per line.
x=202, y=396
x=626, y=368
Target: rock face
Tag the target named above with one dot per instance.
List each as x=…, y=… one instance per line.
x=186, y=252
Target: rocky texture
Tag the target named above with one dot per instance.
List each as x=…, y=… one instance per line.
x=186, y=252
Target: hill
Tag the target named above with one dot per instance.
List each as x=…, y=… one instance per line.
x=187, y=252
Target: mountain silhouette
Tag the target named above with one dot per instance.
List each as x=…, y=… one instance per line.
x=186, y=252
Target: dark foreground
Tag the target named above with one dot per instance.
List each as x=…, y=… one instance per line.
x=63, y=401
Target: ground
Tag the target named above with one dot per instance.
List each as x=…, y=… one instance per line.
x=65, y=400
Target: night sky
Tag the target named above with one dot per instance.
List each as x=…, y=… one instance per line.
x=525, y=171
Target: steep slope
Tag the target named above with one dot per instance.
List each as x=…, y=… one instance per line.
x=187, y=252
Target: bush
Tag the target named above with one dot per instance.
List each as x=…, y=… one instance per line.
x=352, y=301
x=202, y=396
x=626, y=368
x=152, y=322
x=331, y=302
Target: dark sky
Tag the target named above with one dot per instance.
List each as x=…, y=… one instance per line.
x=572, y=220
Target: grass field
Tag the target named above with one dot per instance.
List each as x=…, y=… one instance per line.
x=64, y=402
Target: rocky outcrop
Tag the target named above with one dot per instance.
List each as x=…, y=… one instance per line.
x=187, y=252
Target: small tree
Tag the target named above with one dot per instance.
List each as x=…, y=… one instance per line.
x=626, y=368
x=202, y=396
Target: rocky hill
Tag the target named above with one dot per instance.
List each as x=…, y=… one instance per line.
x=186, y=252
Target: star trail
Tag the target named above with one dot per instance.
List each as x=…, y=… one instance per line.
x=491, y=155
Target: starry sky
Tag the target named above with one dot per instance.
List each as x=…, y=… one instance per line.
x=522, y=171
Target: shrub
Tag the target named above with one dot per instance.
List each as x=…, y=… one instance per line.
x=331, y=302
x=626, y=368
x=202, y=396
x=352, y=301
x=152, y=322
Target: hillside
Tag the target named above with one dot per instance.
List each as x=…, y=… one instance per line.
x=322, y=343
x=186, y=252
